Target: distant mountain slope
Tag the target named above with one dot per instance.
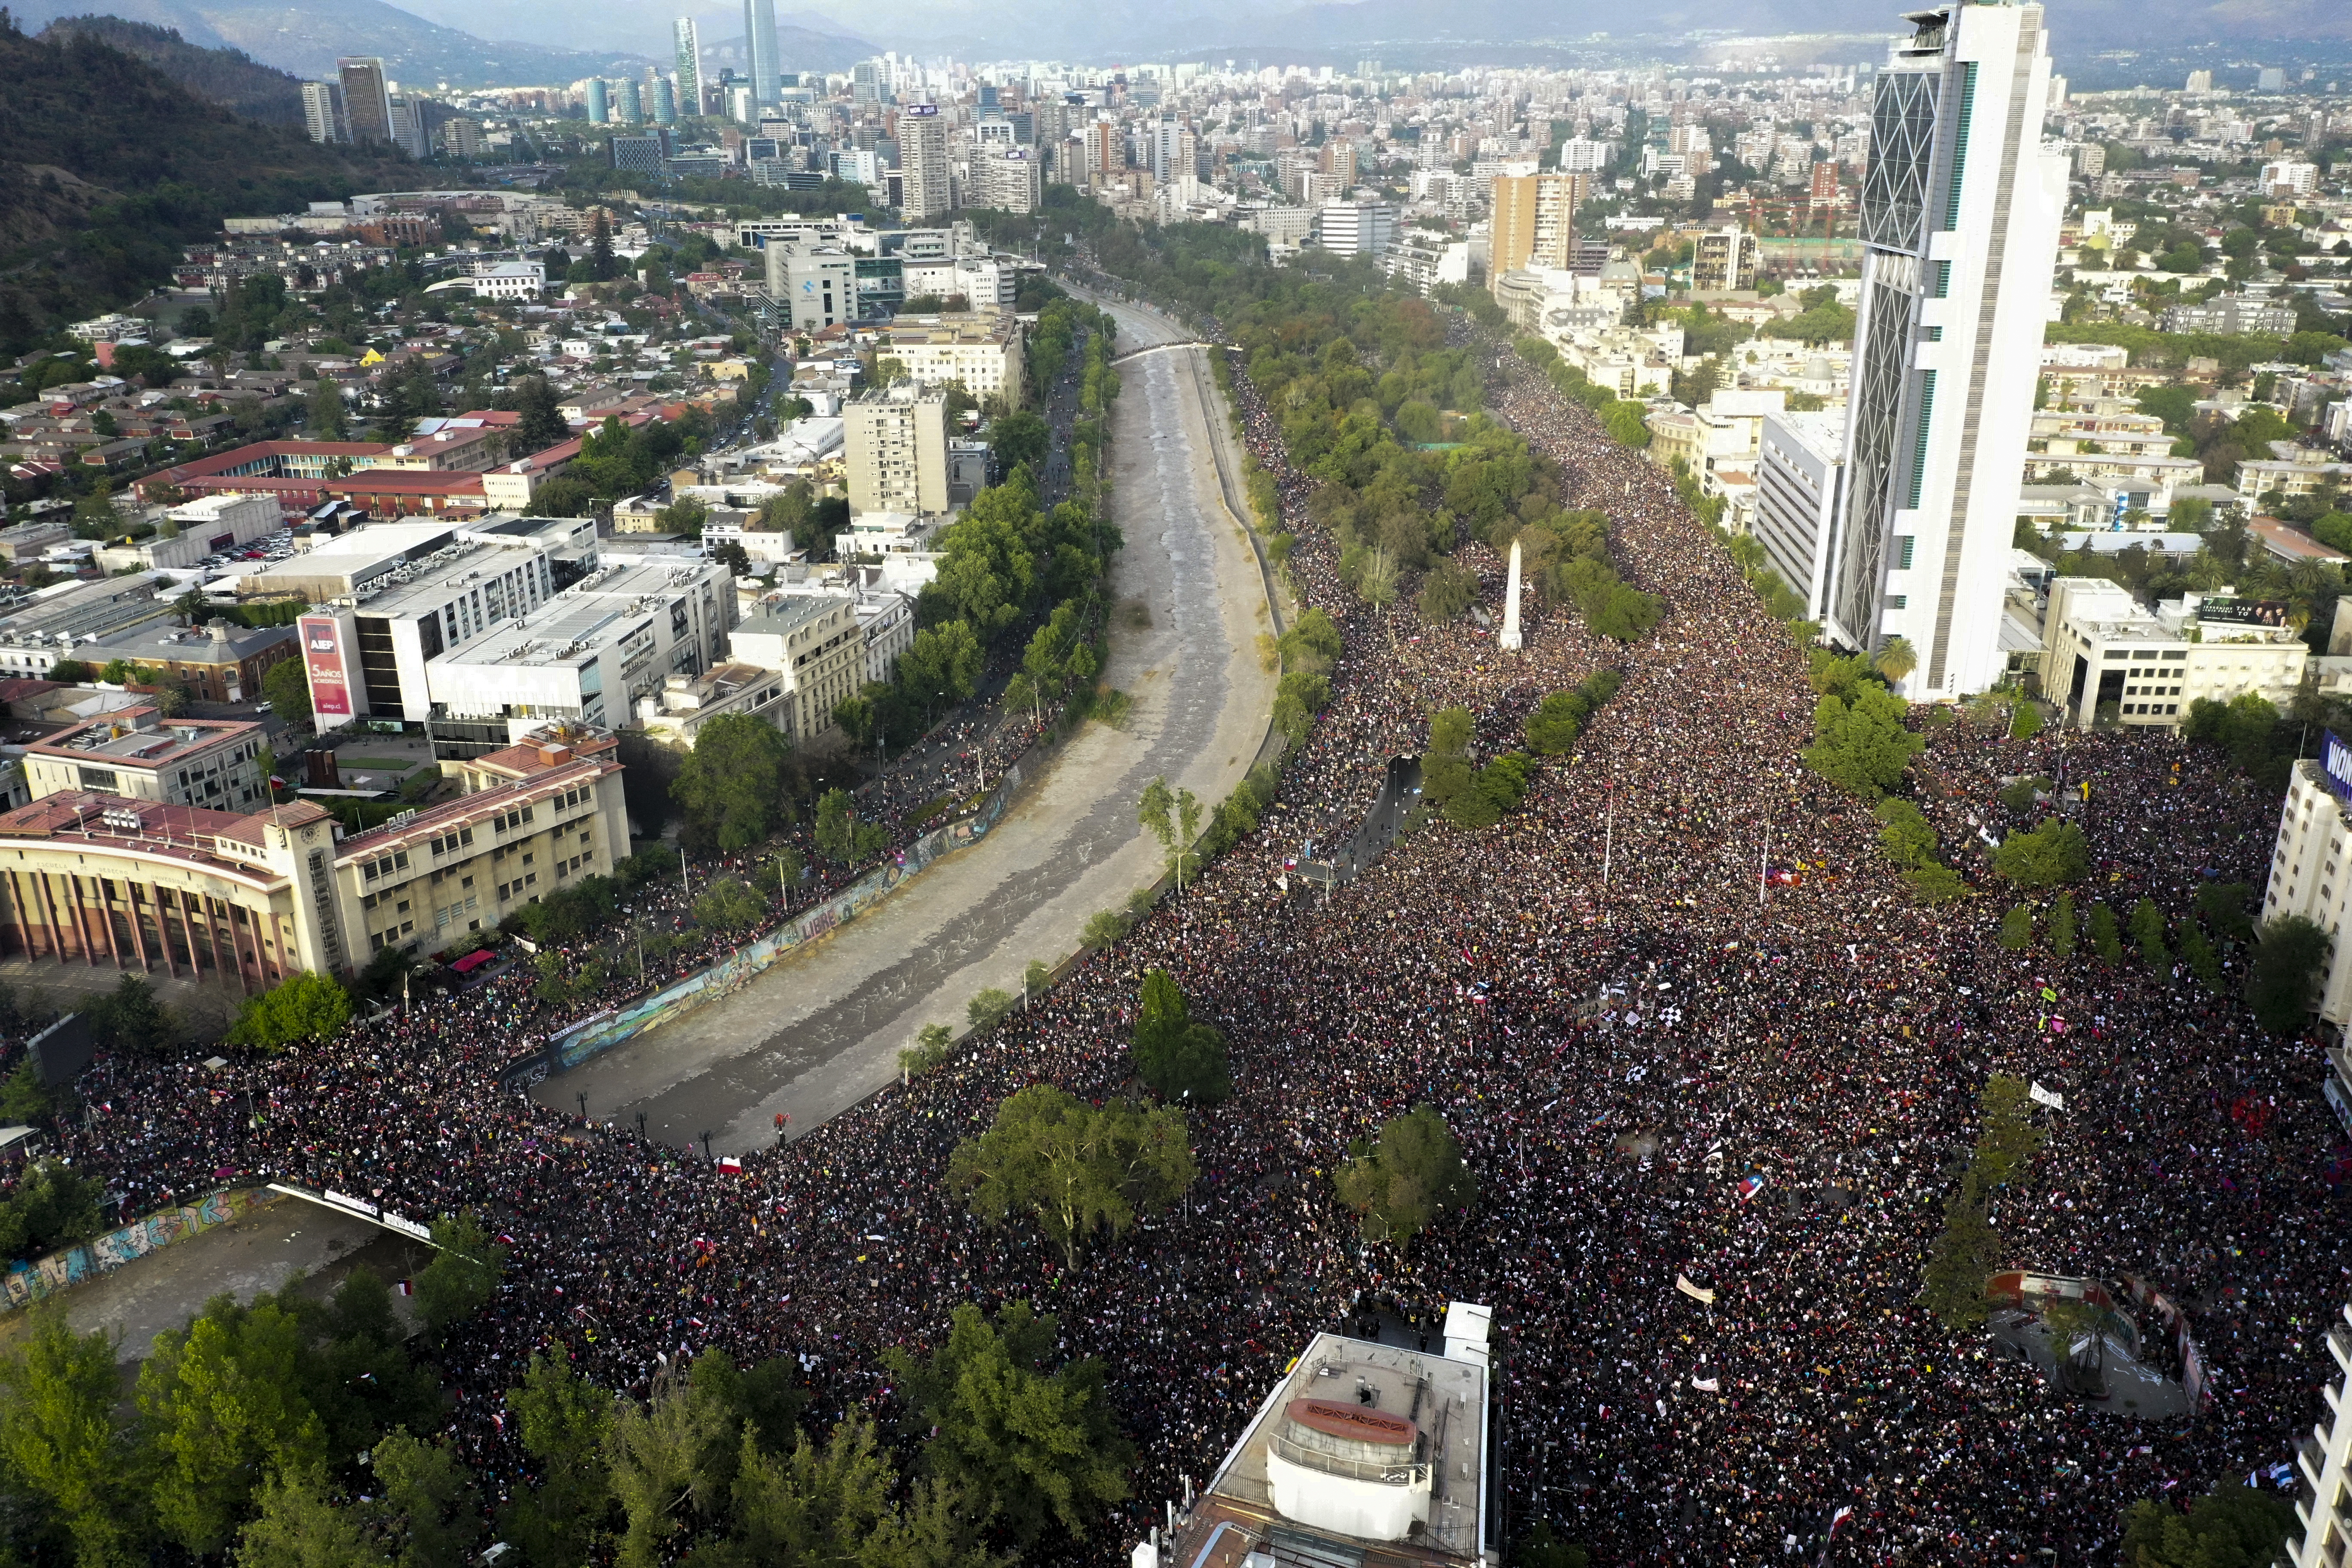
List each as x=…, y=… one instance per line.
x=230, y=78
x=306, y=39
x=808, y=43
x=108, y=166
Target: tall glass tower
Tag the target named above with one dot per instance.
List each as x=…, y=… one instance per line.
x=688, y=38
x=1960, y=207
x=759, y=49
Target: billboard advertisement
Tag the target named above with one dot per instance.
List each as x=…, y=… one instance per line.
x=326, y=661
x=2243, y=612
x=2336, y=765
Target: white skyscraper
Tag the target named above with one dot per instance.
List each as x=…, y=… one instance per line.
x=323, y=115
x=759, y=49
x=686, y=40
x=1959, y=227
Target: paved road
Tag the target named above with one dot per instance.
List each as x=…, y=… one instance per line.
x=823, y=1030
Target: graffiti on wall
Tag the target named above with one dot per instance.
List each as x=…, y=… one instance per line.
x=29, y=1282
x=731, y=974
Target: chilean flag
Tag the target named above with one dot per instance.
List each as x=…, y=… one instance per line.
x=729, y=1165
x=1750, y=1185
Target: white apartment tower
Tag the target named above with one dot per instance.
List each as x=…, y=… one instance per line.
x=2324, y=1457
x=687, y=38
x=923, y=164
x=323, y=115
x=1959, y=227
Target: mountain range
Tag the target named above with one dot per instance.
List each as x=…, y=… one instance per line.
x=488, y=42
x=306, y=39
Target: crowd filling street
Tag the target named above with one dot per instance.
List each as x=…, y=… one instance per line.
x=1667, y=1050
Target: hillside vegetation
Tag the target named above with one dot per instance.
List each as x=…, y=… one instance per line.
x=230, y=78
x=108, y=167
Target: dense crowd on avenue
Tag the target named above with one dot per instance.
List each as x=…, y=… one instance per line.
x=1629, y=1009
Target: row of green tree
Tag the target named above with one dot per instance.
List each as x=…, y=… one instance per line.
x=245, y=1399
x=282, y=1433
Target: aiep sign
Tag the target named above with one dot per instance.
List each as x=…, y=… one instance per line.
x=323, y=662
x=2336, y=765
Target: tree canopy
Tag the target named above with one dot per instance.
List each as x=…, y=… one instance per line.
x=1072, y=1167
x=1401, y=1183
x=1178, y=1058
x=1041, y=1445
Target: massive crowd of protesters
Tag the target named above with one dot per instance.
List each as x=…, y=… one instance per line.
x=1628, y=1007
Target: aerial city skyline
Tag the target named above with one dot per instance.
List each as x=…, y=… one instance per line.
x=1025, y=789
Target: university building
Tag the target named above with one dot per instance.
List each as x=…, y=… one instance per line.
x=91, y=878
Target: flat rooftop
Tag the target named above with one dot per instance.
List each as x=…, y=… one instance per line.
x=582, y=619
x=1356, y=1434
x=135, y=737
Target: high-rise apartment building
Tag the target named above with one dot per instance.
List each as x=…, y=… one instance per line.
x=1338, y=161
x=686, y=42
x=1534, y=222
x=367, y=98
x=1105, y=152
x=1959, y=227
x=1724, y=258
x=1008, y=179
x=759, y=48
x=410, y=132
x=923, y=163
x=895, y=451
x=1578, y=155
x=323, y=114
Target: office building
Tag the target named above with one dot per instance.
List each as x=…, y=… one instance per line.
x=391, y=596
x=136, y=753
x=1799, y=494
x=1356, y=228
x=1959, y=228
x=584, y=657
x=1724, y=258
x=923, y=164
x=895, y=451
x=983, y=349
x=1533, y=222
x=638, y=155
x=2104, y=656
x=664, y=101
x=759, y=50
x=367, y=98
x=1366, y=1453
x=599, y=101
x=323, y=114
x=686, y=45
x=814, y=642
x=629, y=103
x=2307, y=879
x=812, y=286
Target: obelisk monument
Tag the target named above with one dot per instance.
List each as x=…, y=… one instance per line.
x=1511, y=640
